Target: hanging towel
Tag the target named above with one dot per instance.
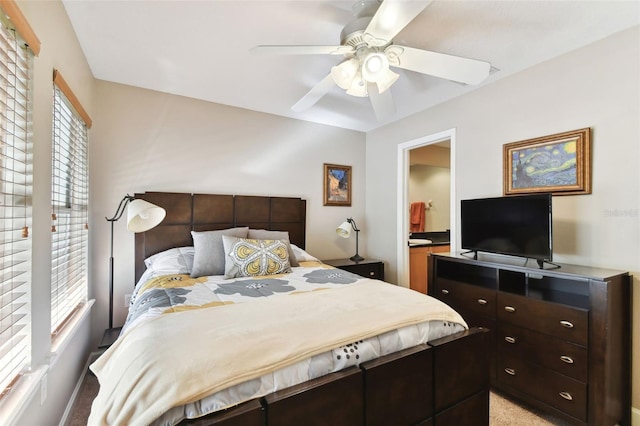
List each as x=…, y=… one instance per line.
x=417, y=216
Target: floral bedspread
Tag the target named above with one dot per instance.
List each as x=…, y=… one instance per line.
x=162, y=294
x=159, y=295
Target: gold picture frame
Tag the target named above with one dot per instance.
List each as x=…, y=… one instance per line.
x=558, y=163
x=337, y=185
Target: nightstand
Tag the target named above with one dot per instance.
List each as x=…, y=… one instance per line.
x=368, y=268
x=110, y=335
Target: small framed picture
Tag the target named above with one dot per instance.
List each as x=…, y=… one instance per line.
x=337, y=185
x=559, y=164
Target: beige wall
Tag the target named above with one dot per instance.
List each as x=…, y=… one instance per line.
x=596, y=86
x=148, y=141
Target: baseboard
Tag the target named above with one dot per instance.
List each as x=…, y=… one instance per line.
x=69, y=409
x=635, y=416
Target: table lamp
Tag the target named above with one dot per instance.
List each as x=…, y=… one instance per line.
x=344, y=231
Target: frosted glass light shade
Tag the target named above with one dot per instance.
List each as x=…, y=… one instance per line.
x=358, y=86
x=344, y=73
x=375, y=67
x=142, y=215
x=385, y=82
x=344, y=230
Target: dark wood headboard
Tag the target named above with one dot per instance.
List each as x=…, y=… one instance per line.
x=206, y=212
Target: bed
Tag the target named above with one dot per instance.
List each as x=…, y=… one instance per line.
x=232, y=322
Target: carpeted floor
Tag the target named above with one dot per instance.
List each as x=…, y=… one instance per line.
x=503, y=412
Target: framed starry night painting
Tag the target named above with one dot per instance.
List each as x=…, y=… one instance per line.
x=558, y=163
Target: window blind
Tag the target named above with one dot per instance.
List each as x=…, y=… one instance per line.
x=70, y=199
x=15, y=206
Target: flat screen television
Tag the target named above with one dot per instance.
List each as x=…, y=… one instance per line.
x=516, y=226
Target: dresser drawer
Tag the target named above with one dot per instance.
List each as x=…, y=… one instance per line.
x=554, y=389
x=561, y=356
x=563, y=322
x=466, y=297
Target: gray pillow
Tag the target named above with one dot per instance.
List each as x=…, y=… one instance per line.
x=209, y=256
x=263, y=234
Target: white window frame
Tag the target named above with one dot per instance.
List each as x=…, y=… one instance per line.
x=70, y=207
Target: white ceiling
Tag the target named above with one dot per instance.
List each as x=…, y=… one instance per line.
x=200, y=49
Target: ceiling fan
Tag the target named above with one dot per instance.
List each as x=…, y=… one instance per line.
x=367, y=45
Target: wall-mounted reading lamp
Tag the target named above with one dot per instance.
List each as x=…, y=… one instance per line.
x=141, y=216
x=344, y=231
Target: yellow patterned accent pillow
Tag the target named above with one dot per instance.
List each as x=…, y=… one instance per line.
x=245, y=257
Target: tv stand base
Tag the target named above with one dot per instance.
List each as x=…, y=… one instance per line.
x=541, y=264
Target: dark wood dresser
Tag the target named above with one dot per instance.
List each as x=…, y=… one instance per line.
x=562, y=340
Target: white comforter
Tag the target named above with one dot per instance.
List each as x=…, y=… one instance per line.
x=160, y=369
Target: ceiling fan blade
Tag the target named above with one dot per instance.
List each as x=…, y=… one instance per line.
x=382, y=103
x=301, y=50
x=314, y=95
x=392, y=16
x=456, y=68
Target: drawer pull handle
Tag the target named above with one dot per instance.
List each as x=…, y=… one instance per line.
x=566, y=359
x=482, y=301
x=566, y=324
x=510, y=339
x=510, y=371
x=509, y=309
x=566, y=395
x=372, y=273
x=445, y=291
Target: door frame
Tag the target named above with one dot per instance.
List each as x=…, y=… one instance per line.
x=402, y=232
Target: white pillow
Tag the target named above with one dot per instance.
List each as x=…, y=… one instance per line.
x=302, y=256
x=178, y=260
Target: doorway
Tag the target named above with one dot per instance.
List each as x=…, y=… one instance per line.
x=429, y=183
x=402, y=232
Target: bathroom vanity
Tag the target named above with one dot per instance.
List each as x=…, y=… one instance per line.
x=421, y=245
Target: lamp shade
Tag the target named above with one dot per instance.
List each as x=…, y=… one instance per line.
x=344, y=230
x=387, y=80
x=142, y=215
x=344, y=73
x=358, y=86
x=375, y=66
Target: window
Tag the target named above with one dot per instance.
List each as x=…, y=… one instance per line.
x=15, y=205
x=70, y=199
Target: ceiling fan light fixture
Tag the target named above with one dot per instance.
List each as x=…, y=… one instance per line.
x=344, y=73
x=367, y=45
